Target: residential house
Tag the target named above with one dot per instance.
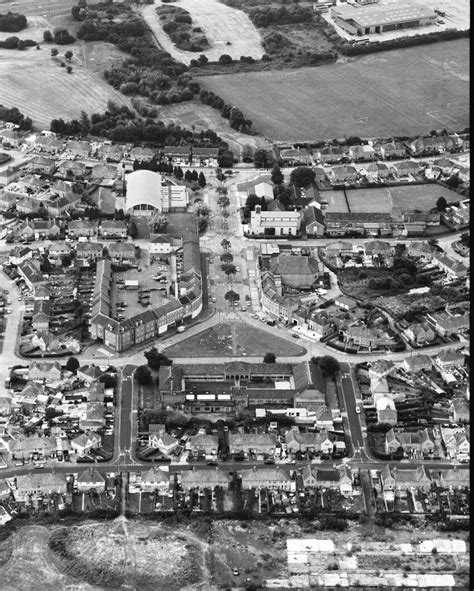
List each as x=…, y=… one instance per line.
x=113, y=229
x=103, y=172
x=94, y=417
x=122, y=253
x=57, y=251
x=420, y=250
x=447, y=358
x=362, y=153
x=378, y=248
x=160, y=244
x=178, y=155
x=205, y=157
x=79, y=148
x=141, y=154
x=386, y=411
x=452, y=267
x=407, y=168
x=39, y=484
x=30, y=271
x=201, y=479
x=81, y=228
x=19, y=254
x=329, y=155
x=329, y=478
x=358, y=224
x=49, y=144
x=157, y=480
x=90, y=479
x=277, y=478
x=419, y=333
x=89, y=373
x=320, y=442
x=377, y=171
x=343, y=174
x=297, y=272
x=417, y=363
x=160, y=439
x=24, y=449
x=41, y=165
x=259, y=444
x=447, y=324
x=381, y=368
x=206, y=444
x=86, y=442
x=391, y=150
x=71, y=169
x=112, y=153
x=403, y=479
x=43, y=370
x=295, y=157
x=451, y=477
x=88, y=253
x=410, y=442
x=460, y=410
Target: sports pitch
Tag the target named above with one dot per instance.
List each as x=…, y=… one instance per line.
x=400, y=92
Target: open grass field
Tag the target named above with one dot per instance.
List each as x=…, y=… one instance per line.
x=228, y=31
x=233, y=340
x=35, y=83
x=336, y=201
x=401, y=92
x=50, y=9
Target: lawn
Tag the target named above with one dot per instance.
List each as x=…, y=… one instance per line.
x=401, y=92
x=233, y=340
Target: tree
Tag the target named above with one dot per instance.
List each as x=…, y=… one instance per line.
x=250, y=204
x=327, y=364
x=229, y=269
x=302, y=176
x=269, y=358
x=277, y=175
x=156, y=359
x=227, y=257
x=201, y=180
x=54, y=52
x=66, y=260
x=225, y=59
x=143, y=375
x=133, y=230
x=226, y=244
x=223, y=201
x=232, y=296
x=68, y=55
x=441, y=204
x=47, y=37
x=72, y=365
x=119, y=215
x=69, y=69
x=263, y=158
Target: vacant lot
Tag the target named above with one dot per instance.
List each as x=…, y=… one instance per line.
x=35, y=83
x=228, y=31
x=401, y=92
x=233, y=340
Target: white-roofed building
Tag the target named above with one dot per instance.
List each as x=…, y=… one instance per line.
x=144, y=192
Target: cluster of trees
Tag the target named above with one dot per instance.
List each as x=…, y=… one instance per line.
x=60, y=36
x=16, y=43
x=13, y=115
x=12, y=22
x=121, y=124
x=233, y=114
x=328, y=365
x=267, y=16
x=179, y=26
x=203, y=213
x=250, y=204
x=156, y=360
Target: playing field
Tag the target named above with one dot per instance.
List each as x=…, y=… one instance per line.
x=386, y=199
x=336, y=201
x=400, y=92
x=35, y=83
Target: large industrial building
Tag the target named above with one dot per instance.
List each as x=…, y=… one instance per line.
x=380, y=18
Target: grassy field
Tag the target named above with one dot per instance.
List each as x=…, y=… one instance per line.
x=233, y=340
x=35, y=83
x=401, y=92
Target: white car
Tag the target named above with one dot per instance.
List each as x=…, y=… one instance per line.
x=358, y=409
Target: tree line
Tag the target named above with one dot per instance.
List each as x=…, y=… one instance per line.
x=233, y=114
x=267, y=16
x=12, y=22
x=13, y=115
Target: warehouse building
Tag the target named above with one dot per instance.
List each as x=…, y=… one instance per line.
x=380, y=18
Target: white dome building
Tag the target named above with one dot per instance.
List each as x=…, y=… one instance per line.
x=143, y=194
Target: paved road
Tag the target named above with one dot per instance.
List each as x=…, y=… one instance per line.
x=348, y=390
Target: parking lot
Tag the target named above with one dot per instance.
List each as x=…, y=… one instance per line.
x=153, y=277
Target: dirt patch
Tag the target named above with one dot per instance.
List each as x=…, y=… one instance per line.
x=122, y=553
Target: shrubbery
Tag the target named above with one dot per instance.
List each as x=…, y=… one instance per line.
x=12, y=22
x=13, y=115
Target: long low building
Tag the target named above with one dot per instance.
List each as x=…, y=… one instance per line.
x=147, y=325
x=383, y=17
